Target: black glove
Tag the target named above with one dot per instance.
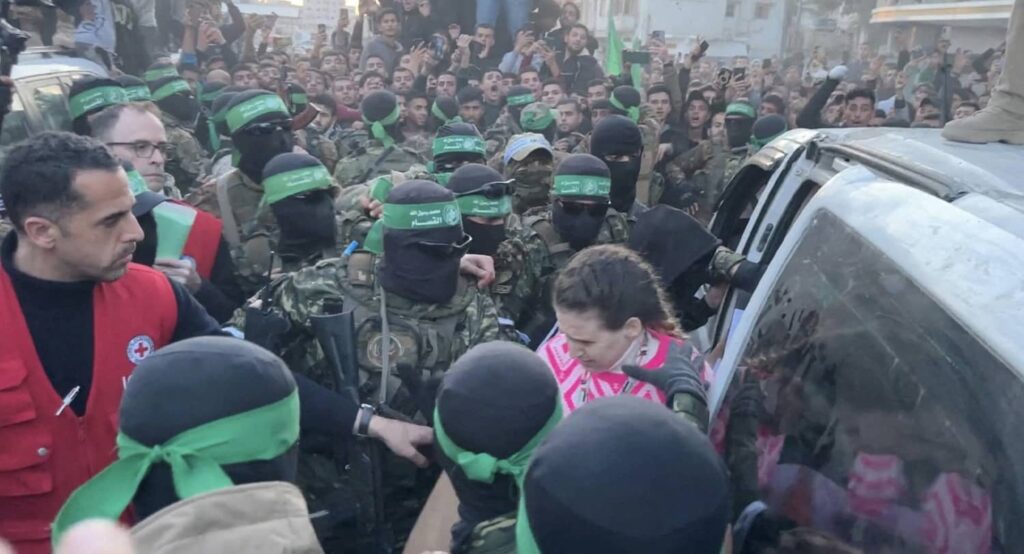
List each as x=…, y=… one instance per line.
x=679, y=378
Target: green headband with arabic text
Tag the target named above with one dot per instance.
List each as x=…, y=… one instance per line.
x=581, y=185
x=174, y=87
x=239, y=116
x=413, y=217
x=377, y=128
x=459, y=144
x=96, y=98
x=283, y=185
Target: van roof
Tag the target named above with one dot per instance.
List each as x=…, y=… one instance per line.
x=46, y=60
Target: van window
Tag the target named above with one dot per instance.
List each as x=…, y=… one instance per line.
x=866, y=418
x=15, y=126
x=52, y=105
x=738, y=203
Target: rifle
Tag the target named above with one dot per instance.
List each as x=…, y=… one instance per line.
x=262, y=326
x=335, y=330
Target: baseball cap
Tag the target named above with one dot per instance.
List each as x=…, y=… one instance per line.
x=522, y=145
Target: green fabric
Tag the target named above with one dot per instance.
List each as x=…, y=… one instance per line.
x=173, y=226
x=530, y=122
x=281, y=186
x=481, y=206
x=422, y=216
x=195, y=458
x=138, y=93
x=525, y=542
x=159, y=73
x=520, y=100
x=459, y=143
x=240, y=115
x=581, y=185
x=633, y=112
x=443, y=178
x=436, y=111
x=136, y=183
x=380, y=188
x=377, y=128
x=209, y=97
x=299, y=98
x=375, y=238
x=211, y=131
x=174, y=87
x=94, y=99
x=740, y=108
x=613, y=56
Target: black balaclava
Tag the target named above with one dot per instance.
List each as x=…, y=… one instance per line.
x=471, y=177
x=625, y=475
x=445, y=109
x=518, y=97
x=625, y=101
x=471, y=152
x=739, y=123
x=416, y=263
x=260, y=137
x=306, y=219
x=226, y=376
x=90, y=95
x=618, y=135
x=145, y=249
x=679, y=248
x=579, y=230
x=174, y=97
x=206, y=128
x=765, y=130
x=211, y=92
x=380, y=114
x=494, y=400
x=218, y=109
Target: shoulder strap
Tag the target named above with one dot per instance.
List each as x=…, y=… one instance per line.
x=227, y=215
x=549, y=235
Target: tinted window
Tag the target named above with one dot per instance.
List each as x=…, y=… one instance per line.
x=52, y=105
x=867, y=418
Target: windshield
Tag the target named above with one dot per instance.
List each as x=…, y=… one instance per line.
x=865, y=417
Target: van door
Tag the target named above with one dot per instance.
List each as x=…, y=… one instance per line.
x=871, y=399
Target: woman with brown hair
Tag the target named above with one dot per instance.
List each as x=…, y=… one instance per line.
x=617, y=336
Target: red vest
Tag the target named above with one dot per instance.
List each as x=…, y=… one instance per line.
x=203, y=240
x=44, y=457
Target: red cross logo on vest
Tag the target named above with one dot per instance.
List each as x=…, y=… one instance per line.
x=140, y=347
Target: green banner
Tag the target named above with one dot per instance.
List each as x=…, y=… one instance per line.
x=95, y=98
x=174, y=87
x=582, y=185
x=481, y=206
x=245, y=112
x=459, y=143
x=380, y=188
x=281, y=186
x=139, y=93
x=173, y=225
x=422, y=216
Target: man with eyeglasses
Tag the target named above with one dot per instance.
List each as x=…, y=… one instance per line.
x=135, y=134
x=580, y=215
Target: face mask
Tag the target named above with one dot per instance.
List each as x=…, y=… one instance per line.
x=181, y=107
x=624, y=176
x=145, y=250
x=486, y=238
x=420, y=272
x=738, y=129
x=578, y=229
x=257, y=149
x=306, y=223
x=532, y=186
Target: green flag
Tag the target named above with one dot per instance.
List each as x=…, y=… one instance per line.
x=613, y=59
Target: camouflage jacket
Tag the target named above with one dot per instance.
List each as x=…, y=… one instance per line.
x=319, y=145
x=514, y=284
x=186, y=161
x=373, y=160
x=422, y=144
x=494, y=536
x=496, y=136
x=651, y=131
x=254, y=231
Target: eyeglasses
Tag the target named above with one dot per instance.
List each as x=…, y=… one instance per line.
x=577, y=208
x=446, y=249
x=145, y=149
x=491, y=191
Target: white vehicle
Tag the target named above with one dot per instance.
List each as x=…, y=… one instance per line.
x=871, y=393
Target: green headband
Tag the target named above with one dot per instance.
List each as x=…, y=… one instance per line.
x=520, y=100
x=422, y=216
x=483, y=467
x=758, y=144
x=737, y=108
x=375, y=238
x=138, y=93
x=460, y=144
x=581, y=185
x=438, y=113
x=530, y=123
x=195, y=457
x=377, y=127
x=633, y=113
x=207, y=97
x=442, y=178
x=159, y=73
x=240, y=115
x=299, y=98
x=212, y=134
x=94, y=98
x=281, y=186
x=481, y=206
x=380, y=188
x=136, y=183
x=174, y=87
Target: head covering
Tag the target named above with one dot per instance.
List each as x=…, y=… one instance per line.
x=211, y=92
x=381, y=113
x=482, y=192
x=297, y=188
x=423, y=242
x=219, y=112
x=580, y=177
x=174, y=97
x=617, y=135
x=581, y=492
x=625, y=100
x=494, y=407
x=739, y=120
x=90, y=95
x=160, y=70
x=293, y=173
x=134, y=88
x=298, y=99
x=538, y=117
x=456, y=143
x=232, y=388
x=531, y=173
x=444, y=110
x=253, y=107
x=246, y=116
x=766, y=129
x=522, y=145
x=519, y=96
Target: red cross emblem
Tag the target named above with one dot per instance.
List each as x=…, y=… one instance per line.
x=140, y=347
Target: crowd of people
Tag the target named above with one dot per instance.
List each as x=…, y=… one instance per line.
x=458, y=245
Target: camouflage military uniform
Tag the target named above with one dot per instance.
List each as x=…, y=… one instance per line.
x=496, y=136
x=514, y=284
x=255, y=230
x=650, y=129
x=222, y=163
x=494, y=536
x=186, y=161
x=319, y=145
x=422, y=144
x=373, y=159
x=170, y=189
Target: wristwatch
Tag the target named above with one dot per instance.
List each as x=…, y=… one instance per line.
x=366, y=413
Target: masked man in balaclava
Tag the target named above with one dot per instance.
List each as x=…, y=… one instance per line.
x=260, y=128
x=383, y=152
x=507, y=125
x=456, y=145
x=299, y=191
x=626, y=101
x=433, y=315
x=739, y=125
x=617, y=141
x=200, y=480
x=529, y=161
x=89, y=96
x=222, y=161
x=580, y=216
x=179, y=111
x=206, y=130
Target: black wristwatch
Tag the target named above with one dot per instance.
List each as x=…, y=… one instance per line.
x=366, y=413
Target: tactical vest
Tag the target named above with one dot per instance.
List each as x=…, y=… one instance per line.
x=249, y=227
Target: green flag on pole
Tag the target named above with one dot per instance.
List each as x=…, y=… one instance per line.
x=613, y=58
